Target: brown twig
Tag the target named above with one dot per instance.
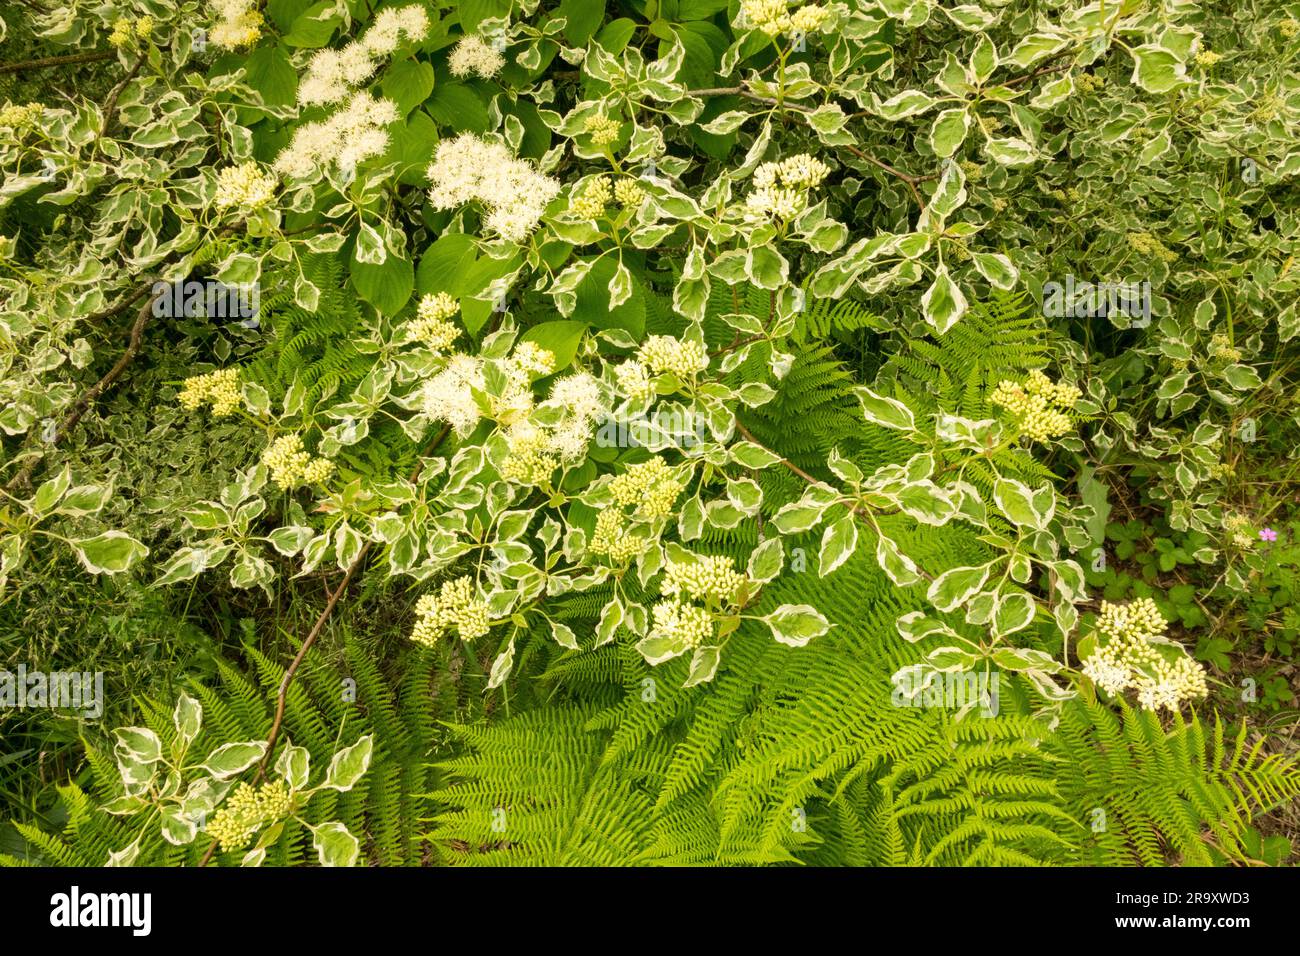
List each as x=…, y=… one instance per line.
x=110, y=105
x=907, y=178
x=107, y=313
x=82, y=404
x=1042, y=70
x=57, y=61
x=282, y=697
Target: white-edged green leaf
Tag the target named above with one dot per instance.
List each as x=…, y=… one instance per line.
x=839, y=541
x=889, y=412
x=335, y=845
x=350, y=764
x=901, y=569
x=796, y=624
x=230, y=759
x=956, y=586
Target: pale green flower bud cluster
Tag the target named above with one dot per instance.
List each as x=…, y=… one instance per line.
x=1148, y=245
x=650, y=489
x=707, y=578
x=220, y=389
x=529, y=461
x=601, y=128
x=1039, y=405
x=774, y=17
x=531, y=358
x=1132, y=652
x=125, y=30
x=244, y=186
x=594, y=198
x=1221, y=347
x=633, y=380
x=613, y=539
x=292, y=465
x=781, y=188
x=628, y=193
x=247, y=810
x=651, y=486
x=691, y=625
x=430, y=326
x=456, y=605
x=665, y=354
x=17, y=118
x=598, y=193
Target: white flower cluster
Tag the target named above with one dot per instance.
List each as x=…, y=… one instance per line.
x=474, y=56
x=584, y=403
x=1132, y=652
x=332, y=74
x=781, y=188
x=449, y=395
x=347, y=137
x=239, y=24
x=512, y=191
x=455, y=605
x=244, y=186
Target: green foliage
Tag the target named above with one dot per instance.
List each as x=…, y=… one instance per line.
x=679, y=434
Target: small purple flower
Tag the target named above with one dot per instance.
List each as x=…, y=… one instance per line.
x=1268, y=534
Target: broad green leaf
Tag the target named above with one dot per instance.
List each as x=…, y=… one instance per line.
x=901, y=569
x=889, y=412
x=949, y=131
x=704, y=665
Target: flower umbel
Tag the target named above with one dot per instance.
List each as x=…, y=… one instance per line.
x=247, y=810
x=1132, y=653
x=456, y=605
x=244, y=187
x=220, y=389
x=1039, y=405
